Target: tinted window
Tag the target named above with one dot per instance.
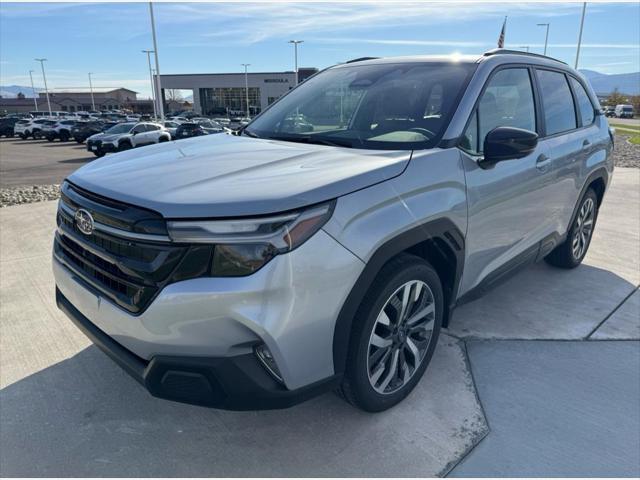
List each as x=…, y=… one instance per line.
x=559, y=111
x=587, y=113
x=506, y=102
x=152, y=128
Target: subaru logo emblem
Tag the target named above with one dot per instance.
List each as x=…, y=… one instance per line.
x=84, y=221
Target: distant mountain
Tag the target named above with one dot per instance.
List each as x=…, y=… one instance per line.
x=11, y=91
x=604, y=84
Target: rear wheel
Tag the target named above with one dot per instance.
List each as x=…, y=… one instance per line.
x=572, y=251
x=394, y=336
x=64, y=136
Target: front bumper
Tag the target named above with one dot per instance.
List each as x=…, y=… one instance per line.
x=234, y=383
x=290, y=305
x=100, y=146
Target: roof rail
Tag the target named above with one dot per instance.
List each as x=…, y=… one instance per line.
x=505, y=51
x=361, y=59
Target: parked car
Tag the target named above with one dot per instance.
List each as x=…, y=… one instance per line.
x=31, y=128
x=59, y=130
x=624, y=111
x=125, y=136
x=196, y=129
x=609, y=111
x=83, y=130
x=6, y=126
x=259, y=270
x=171, y=127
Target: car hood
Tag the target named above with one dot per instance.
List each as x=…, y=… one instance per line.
x=225, y=175
x=105, y=137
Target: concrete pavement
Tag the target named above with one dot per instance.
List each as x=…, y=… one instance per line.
x=62, y=398
x=557, y=409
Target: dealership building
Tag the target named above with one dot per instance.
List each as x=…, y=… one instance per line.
x=220, y=93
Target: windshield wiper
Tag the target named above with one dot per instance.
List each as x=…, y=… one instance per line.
x=313, y=140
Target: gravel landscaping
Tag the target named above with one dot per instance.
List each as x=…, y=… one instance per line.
x=625, y=155
x=28, y=194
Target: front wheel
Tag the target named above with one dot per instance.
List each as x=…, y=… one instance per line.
x=124, y=146
x=394, y=336
x=571, y=252
x=64, y=136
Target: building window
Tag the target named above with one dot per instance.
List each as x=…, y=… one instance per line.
x=232, y=100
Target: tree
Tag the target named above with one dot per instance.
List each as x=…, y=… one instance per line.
x=616, y=98
x=173, y=95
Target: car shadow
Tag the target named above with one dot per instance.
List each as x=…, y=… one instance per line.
x=78, y=160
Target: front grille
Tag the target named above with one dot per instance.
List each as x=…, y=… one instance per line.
x=127, y=271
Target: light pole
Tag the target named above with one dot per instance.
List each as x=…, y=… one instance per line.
x=46, y=89
x=33, y=90
x=526, y=47
x=93, y=101
x=295, y=50
x=546, y=37
x=246, y=85
x=153, y=94
x=584, y=8
x=155, y=51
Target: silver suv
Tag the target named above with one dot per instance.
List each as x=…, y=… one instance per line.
x=327, y=245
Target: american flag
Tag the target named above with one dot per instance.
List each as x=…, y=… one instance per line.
x=502, y=33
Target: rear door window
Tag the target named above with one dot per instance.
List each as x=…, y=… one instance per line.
x=559, y=110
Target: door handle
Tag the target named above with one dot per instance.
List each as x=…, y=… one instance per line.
x=586, y=143
x=542, y=162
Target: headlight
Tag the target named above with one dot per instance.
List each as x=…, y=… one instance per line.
x=242, y=246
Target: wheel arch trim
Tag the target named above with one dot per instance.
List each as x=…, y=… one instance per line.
x=599, y=174
x=441, y=229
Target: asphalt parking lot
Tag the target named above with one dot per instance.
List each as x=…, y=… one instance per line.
x=39, y=162
x=539, y=378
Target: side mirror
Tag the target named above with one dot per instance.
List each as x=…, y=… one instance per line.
x=508, y=143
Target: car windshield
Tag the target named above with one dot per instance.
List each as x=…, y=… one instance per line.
x=121, y=128
x=385, y=106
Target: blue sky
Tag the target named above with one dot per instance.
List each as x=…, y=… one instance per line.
x=107, y=38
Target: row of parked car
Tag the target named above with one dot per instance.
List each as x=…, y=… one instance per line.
x=619, y=111
x=103, y=136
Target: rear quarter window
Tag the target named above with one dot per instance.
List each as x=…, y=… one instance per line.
x=587, y=111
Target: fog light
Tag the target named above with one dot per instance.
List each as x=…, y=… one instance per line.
x=264, y=355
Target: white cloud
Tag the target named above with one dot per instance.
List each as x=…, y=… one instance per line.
x=249, y=23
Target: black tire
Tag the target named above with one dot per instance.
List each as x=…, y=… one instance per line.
x=64, y=136
x=124, y=146
x=79, y=140
x=163, y=139
x=567, y=254
x=50, y=138
x=356, y=387
x=23, y=136
x=99, y=153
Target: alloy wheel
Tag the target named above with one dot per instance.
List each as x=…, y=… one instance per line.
x=400, y=337
x=583, y=228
